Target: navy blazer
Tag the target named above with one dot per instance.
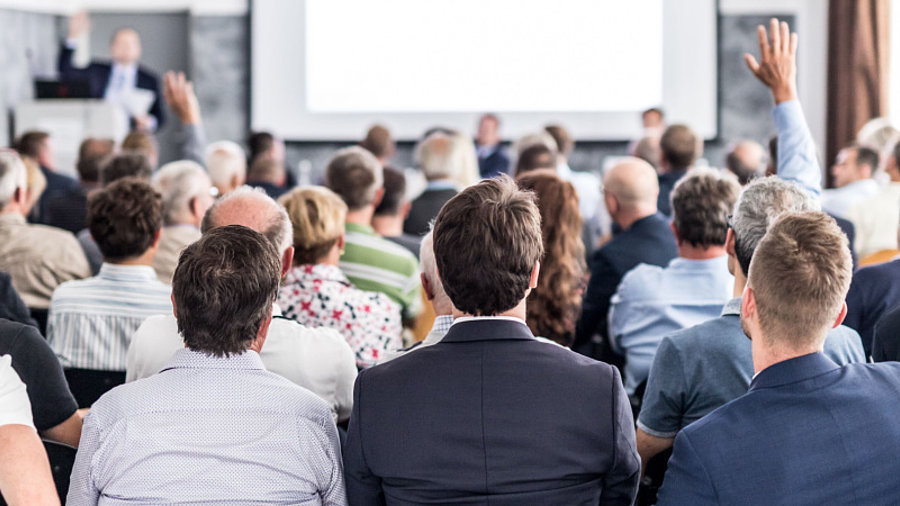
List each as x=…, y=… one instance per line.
x=494, y=164
x=97, y=76
x=425, y=208
x=874, y=291
x=807, y=432
x=487, y=415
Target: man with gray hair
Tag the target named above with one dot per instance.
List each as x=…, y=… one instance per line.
x=186, y=195
x=434, y=155
x=317, y=359
x=227, y=166
x=370, y=261
x=37, y=257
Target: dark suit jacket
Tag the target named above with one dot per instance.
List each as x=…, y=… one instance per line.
x=886, y=341
x=849, y=230
x=57, y=184
x=68, y=209
x=807, y=432
x=666, y=185
x=486, y=416
x=873, y=291
x=648, y=241
x=97, y=76
x=496, y=163
x=426, y=208
x=11, y=305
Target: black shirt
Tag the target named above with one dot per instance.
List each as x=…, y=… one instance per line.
x=11, y=305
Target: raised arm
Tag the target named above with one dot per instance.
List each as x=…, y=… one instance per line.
x=78, y=25
x=179, y=94
x=777, y=69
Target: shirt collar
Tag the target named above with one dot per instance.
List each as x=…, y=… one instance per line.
x=487, y=328
x=793, y=370
x=127, y=272
x=125, y=70
x=186, y=358
x=440, y=184
x=732, y=307
x=12, y=218
x=442, y=324
x=362, y=229
x=464, y=319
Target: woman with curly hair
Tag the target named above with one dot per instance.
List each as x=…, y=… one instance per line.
x=555, y=305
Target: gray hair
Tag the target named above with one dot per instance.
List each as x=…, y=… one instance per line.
x=13, y=176
x=761, y=202
x=179, y=182
x=275, y=223
x=224, y=160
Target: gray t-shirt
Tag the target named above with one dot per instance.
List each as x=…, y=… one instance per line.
x=700, y=368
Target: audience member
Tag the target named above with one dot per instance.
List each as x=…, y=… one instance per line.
x=873, y=292
x=653, y=301
x=554, y=305
x=91, y=321
x=189, y=134
x=67, y=209
x=886, y=338
x=35, y=184
x=492, y=159
x=265, y=145
x=227, y=166
x=144, y=143
x=806, y=423
x=535, y=157
x=37, y=146
x=745, y=160
x=700, y=368
x=680, y=149
x=285, y=446
x=472, y=386
x=434, y=155
x=11, y=306
x=630, y=194
x=379, y=142
x=852, y=172
x=369, y=261
x=648, y=150
x=586, y=184
x=317, y=359
x=186, y=195
x=653, y=121
x=25, y=476
x=316, y=293
x=393, y=210
x=876, y=219
x=269, y=175
x=465, y=160
x=53, y=408
x=38, y=258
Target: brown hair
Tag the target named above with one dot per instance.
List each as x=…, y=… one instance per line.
x=394, y=193
x=126, y=164
x=679, y=146
x=91, y=154
x=564, y=142
x=355, y=175
x=535, y=158
x=555, y=305
x=800, y=274
x=224, y=288
x=124, y=218
x=378, y=141
x=141, y=142
x=487, y=240
x=701, y=203
x=317, y=215
x=30, y=143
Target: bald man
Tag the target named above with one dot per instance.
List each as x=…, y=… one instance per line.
x=631, y=189
x=113, y=81
x=745, y=161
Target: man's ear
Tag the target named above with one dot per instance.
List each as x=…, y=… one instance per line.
x=729, y=243
x=840, y=317
x=426, y=287
x=675, y=232
x=156, y=237
x=341, y=242
x=535, y=273
x=287, y=259
x=174, y=308
x=404, y=209
x=378, y=196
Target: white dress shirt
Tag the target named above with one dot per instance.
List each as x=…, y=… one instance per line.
x=838, y=201
x=15, y=408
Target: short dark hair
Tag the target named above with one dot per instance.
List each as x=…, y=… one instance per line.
x=701, y=203
x=679, y=146
x=141, y=142
x=867, y=156
x=378, y=141
x=91, y=154
x=535, y=157
x=564, y=142
x=29, y=144
x=487, y=240
x=124, y=218
x=258, y=143
x=224, y=288
x=394, y=193
x=126, y=164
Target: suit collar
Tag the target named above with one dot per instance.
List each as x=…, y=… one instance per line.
x=487, y=330
x=793, y=371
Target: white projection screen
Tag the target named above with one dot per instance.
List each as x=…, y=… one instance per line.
x=328, y=69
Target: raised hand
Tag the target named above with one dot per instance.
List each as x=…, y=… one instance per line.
x=179, y=94
x=777, y=66
x=79, y=24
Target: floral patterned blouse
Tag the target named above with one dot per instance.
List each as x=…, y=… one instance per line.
x=321, y=296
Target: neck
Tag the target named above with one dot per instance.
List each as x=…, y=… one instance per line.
x=14, y=208
x=361, y=216
x=145, y=259
x=516, y=312
x=627, y=218
x=740, y=281
x=332, y=258
x=388, y=226
x=765, y=356
x=690, y=252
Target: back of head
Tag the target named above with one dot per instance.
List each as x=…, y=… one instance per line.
x=31, y=143
x=254, y=209
x=13, y=176
x=701, y=203
x=745, y=161
x=541, y=138
x=126, y=164
x=394, y=193
x=142, y=142
x=760, y=203
x=633, y=183
x=317, y=216
x=266, y=170
x=259, y=143
x=648, y=150
x=224, y=288
x=487, y=240
x=464, y=160
x=564, y=142
x=36, y=181
x=355, y=175
x=379, y=142
x=535, y=157
x=225, y=162
x=867, y=156
x=91, y=155
x=680, y=147
x=124, y=218
x=180, y=183
x=434, y=156
x=800, y=275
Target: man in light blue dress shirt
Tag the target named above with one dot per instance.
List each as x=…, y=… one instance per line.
x=213, y=427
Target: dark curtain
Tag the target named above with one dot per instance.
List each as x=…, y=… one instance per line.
x=858, y=45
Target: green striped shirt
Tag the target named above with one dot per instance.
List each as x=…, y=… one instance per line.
x=376, y=264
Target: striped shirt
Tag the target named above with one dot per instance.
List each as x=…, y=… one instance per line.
x=91, y=321
x=375, y=264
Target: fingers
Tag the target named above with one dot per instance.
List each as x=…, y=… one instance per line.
x=794, y=42
x=763, y=41
x=751, y=62
x=785, y=38
x=775, y=34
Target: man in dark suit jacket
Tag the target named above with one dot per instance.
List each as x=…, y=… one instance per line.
x=680, y=148
x=435, y=157
x=808, y=431
x=487, y=414
x=886, y=341
x=110, y=79
x=630, y=192
x=492, y=160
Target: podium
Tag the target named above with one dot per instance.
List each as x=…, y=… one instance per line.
x=69, y=122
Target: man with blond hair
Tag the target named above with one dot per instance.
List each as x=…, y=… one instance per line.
x=825, y=431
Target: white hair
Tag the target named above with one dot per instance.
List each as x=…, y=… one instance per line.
x=429, y=268
x=448, y=156
x=224, y=160
x=179, y=182
x=13, y=176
